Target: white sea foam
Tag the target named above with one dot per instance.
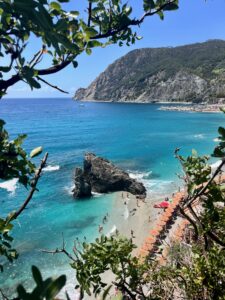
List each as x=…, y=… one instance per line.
x=199, y=136
x=51, y=168
x=69, y=189
x=96, y=194
x=112, y=230
x=216, y=140
x=139, y=176
x=9, y=185
x=154, y=185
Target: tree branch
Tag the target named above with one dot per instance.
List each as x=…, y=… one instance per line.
x=89, y=13
x=33, y=189
x=133, y=22
x=53, y=86
x=190, y=220
x=62, y=250
x=202, y=191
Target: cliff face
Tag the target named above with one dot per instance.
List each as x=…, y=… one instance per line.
x=192, y=73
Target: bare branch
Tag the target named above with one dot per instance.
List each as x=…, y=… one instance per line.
x=89, y=13
x=53, y=86
x=62, y=250
x=33, y=189
x=191, y=221
x=3, y=295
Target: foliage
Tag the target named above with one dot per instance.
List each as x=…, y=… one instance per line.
x=44, y=290
x=63, y=34
x=107, y=253
x=14, y=163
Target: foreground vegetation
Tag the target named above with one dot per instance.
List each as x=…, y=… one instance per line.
x=195, y=269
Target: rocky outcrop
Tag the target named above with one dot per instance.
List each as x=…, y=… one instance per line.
x=100, y=176
x=191, y=73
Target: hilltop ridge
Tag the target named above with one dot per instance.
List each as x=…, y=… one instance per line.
x=190, y=73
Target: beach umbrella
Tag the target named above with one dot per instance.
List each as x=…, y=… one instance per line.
x=164, y=204
x=150, y=240
x=154, y=232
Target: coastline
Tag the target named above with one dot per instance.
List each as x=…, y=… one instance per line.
x=133, y=102
x=207, y=108
x=172, y=105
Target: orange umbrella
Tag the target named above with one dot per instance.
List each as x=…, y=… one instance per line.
x=170, y=209
x=154, y=232
x=150, y=240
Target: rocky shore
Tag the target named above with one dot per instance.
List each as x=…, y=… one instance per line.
x=207, y=108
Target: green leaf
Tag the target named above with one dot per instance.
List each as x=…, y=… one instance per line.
x=36, y=152
x=221, y=131
x=55, y=287
x=75, y=64
x=88, y=51
x=55, y=5
x=37, y=276
x=171, y=6
x=92, y=44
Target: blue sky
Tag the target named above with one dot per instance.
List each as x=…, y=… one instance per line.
x=195, y=21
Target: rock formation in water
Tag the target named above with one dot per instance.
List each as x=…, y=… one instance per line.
x=191, y=73
x=100, y=176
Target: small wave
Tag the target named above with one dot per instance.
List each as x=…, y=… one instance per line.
x=69, y=189
x=153, y=185
x=139, y=176
x=9, y=185
x=216, y=140
x=51, y=168
x=113, y=230
x=199, y=136
x=96, y=194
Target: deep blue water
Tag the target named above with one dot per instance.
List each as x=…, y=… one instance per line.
x=139, y=138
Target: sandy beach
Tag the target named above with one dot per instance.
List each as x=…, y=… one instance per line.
x=130, y=214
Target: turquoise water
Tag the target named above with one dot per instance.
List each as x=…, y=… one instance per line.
x=139, y=138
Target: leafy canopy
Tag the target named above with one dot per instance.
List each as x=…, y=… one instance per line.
x=63, y=34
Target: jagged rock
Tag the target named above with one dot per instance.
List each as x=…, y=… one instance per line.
x=82, y=187
x=101, y=176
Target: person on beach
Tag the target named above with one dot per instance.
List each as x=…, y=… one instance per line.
x=104, y=220
x=125, y=203
x=149, y=219
x=138, y=202
x=100, y=228
x=132, y=234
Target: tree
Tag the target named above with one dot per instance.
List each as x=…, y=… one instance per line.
x=62, y=34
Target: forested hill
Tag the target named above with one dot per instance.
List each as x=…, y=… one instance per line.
x=193, y=73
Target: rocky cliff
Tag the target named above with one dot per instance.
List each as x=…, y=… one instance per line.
x=192, y=73
x=101, y=176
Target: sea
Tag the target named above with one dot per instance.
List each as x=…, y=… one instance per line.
x=137, y=137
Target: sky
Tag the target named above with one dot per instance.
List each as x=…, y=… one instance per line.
x=195, y=21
